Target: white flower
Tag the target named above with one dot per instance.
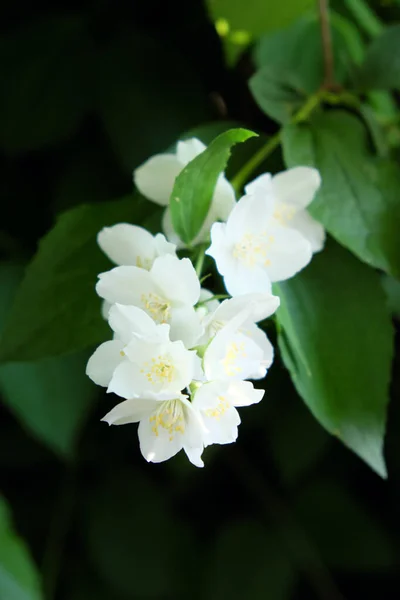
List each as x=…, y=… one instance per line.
x=141, y=359
x=156, y=177
x=216, y=402
x=292, y=191
x=262, y=307
x=252, y=249
x=168, y=293
x=165, y=426
x=126, y=244
x=233, y=355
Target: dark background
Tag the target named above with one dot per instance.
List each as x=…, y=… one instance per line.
x=285, y=513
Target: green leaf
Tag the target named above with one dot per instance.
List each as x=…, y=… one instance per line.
x=56, y=310
x=336, y=340
x=240, y=24
x=44, y=72
x=260, y=569
x=19, y=579
x=149, y=100
x=152, y=552
x=367, y=548
x=294, y=55
x=51, y=397
x=256, y=16
x=392, y=291
x=358, y=202
x=194, y=187
x=276, y=94
x=381, y=67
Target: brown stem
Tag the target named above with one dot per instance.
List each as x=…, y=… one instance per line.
x=329, y=78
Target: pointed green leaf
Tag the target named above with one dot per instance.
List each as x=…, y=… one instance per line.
x=56, y=310
x=336, y=339
x=194, y=186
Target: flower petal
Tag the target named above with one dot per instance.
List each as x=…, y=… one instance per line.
x=288, y=254
x=177, y=279
x=243, y=393
x=244, y=280
x=260, y=185
x=224, y=199
x=104, y=361
x=169, y=230
x=125, y=285
x=130, y=411
x=263, y=306
x=156, y=177
x=158, y=446
x=220, y=417
x=126, y=244
x=194, y=455
x=250, y=214
x=187, y=150
x=186, y=326
x=296, y=186
x=310, y=228
x=230, y=354
x=163, y=246
x=126, y=321
x=166, y=367
x=260, y=338
x=221, y=248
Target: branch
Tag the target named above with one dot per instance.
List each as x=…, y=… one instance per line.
x=329, y=76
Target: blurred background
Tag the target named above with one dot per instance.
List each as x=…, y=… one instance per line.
x=89, y=91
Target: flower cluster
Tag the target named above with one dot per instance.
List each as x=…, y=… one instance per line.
x=180, y=359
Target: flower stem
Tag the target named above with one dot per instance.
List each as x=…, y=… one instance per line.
x=243, y=174
x=251, y=165
x=327, y=49
x=215, y=297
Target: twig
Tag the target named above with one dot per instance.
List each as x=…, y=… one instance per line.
x=327, y=49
